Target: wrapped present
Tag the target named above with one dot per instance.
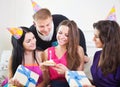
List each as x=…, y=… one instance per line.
x=26, y=77
x=76, y=78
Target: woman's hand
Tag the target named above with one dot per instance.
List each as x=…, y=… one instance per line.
x=43, y=67
x=60, y=68
x=14, y=82
x=45, y=76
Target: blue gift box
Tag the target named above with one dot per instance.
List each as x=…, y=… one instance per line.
x=77, y=78
x=26, y=77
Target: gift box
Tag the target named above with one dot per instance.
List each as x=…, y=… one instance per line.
x=26, y=77
x=77, y=78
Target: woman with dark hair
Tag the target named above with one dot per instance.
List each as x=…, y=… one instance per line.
x=67, y=54
x=106, y=64
x=24, y=52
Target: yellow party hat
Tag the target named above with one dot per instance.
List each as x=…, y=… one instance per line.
x=112, y=15
x=16, y=32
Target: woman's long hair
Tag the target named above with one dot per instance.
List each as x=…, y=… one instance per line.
x=18, y=50
x=109, y=34
x=73, y=59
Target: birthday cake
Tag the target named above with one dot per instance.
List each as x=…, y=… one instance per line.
x=49, y=63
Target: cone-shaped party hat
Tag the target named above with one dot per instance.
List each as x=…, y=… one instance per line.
x=16, y=32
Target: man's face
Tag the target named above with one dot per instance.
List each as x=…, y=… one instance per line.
x=44, y=26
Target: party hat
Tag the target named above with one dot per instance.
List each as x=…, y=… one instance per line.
x=112, y=15
x=16, y=32
x=35, y=6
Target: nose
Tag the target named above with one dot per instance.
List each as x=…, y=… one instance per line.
x=46, y=29
x=63, y=36
x=33, y=41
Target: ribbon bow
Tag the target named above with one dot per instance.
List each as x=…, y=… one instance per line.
x=26, y=73
x=74, y=75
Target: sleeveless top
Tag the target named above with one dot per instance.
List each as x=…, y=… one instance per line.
x=53, y=73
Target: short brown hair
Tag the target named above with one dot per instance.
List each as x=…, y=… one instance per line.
x=43, y=13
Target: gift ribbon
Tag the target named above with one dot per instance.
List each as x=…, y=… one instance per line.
x=74, y=75
x=26, y=73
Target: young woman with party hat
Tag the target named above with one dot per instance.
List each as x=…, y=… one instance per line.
x=24, y=53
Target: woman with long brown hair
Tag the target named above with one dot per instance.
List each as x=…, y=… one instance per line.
x=67, y=55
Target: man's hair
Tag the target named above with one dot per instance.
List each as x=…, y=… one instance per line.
x=43, y=13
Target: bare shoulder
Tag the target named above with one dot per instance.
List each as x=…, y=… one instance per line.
x=80, y=49
x=39, y=56
x=39, y=52
x=45, y=51
x=81, y=55
x=45, y=54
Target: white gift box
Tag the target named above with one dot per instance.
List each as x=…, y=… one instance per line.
x=76, y=78
x=26, y=77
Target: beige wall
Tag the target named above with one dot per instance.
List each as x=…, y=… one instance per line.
x=5, y=42
x=84, y=12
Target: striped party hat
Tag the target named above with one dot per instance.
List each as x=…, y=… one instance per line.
x=112, y=15
x=35, y=6
x=16, y=32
